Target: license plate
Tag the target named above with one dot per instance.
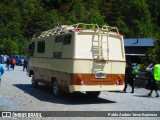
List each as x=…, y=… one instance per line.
x=100, y=75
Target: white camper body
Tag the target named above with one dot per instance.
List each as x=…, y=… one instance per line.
x=76, y=59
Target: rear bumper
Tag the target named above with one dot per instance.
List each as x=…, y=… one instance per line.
x=83, y=88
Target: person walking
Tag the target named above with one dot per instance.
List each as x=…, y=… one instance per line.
x=25, y=64
x=8, y=63
x=1, y=59
x=129, y=77
x=152, y=82
x=1, y=72
x=13, y=62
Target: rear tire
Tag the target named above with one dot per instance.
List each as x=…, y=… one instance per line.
x=55, y=89
x=34, y=82
x=93, y=94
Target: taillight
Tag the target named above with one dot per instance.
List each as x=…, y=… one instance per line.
x=79, y=80
x=119, y=80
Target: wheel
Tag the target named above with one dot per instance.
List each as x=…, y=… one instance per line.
x=93, y=94
x=55, y=89
x=34, y=82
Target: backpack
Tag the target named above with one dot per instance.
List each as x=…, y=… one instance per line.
x=135, y=69
x=157, y=72
x=13, y=61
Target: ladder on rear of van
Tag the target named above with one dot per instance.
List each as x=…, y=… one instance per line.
x=103, y=38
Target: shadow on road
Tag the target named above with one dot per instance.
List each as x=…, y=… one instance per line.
x=144, y=96
x=117, y=92
x=44, y=93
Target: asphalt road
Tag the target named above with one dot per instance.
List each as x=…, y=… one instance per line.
x=17, y=94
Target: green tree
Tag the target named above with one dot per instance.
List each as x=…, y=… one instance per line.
x=115, y=15
x=132, y=17
x=154, y=7
x=20, y=20
x=39, y=21
x=10, y=47
x=55, y=19
x=153, y=55
x=140, y=19
x=79, y=11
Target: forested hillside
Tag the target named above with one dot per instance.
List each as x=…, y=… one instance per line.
x=20, y=20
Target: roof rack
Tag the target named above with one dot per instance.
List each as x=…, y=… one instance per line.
x=69, y=28
x=106, y=28
x=79, y=26
x=56, y=30
x=85, y=26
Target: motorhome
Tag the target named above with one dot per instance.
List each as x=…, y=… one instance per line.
x=78, y=58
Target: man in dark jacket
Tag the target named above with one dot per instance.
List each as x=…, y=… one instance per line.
x=25, y=64
x=129, y=77
x=8, y=63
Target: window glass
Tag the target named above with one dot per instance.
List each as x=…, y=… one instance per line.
x=67, y=39
x=59, y=39
x=41, y=47
x=31, y=48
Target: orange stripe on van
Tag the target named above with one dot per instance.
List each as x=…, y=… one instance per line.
x=89, y=79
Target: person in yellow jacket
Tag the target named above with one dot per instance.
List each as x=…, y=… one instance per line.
x=152, y=82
